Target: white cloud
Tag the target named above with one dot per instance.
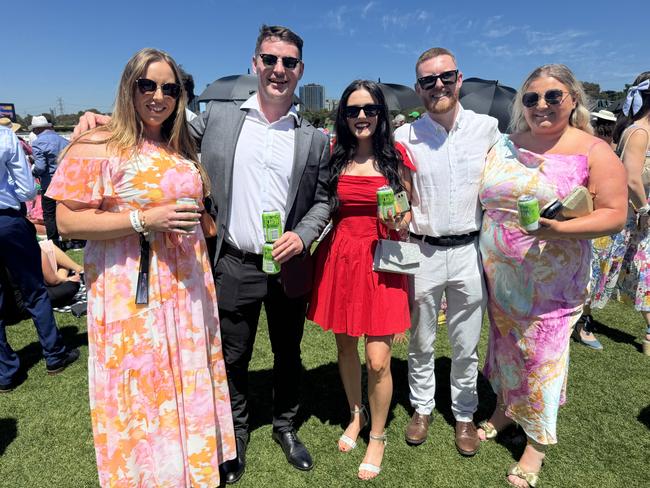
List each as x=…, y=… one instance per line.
x=366, y=8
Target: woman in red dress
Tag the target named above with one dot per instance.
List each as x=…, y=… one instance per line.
x=350, y=298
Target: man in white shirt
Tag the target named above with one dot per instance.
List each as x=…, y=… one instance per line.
x=448, y=146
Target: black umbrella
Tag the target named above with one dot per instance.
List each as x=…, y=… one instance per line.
x=488, y=97
x=399, y=97
x=233, y=88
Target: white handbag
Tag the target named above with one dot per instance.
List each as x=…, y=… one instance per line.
x=396, y=257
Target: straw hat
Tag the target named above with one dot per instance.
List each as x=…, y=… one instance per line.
x=6, y=122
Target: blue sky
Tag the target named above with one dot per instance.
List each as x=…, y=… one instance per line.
x=76, y=49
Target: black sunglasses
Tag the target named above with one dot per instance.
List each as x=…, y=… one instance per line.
x=446, y=77
x=552, y=97
x=371, y=110
x=270, y=60
x=145, y=85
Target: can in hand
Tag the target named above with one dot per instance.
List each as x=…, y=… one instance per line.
x=528, y=208
x=191, y=227
x=269, y=265
x=385, y=201
x=271, y=225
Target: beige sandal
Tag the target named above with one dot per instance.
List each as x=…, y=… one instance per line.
x=348, y=441
x=371, y=468
x=531, y=478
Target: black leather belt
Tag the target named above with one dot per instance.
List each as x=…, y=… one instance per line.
x=447, y=241
x=244, y=256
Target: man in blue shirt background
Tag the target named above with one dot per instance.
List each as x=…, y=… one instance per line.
x=45, y=150
x=21, y=255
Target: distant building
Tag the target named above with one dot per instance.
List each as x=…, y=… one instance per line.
x=331, y=104
x=312, y=97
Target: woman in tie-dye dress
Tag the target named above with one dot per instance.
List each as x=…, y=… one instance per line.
x=158, y=393
x=537, y=281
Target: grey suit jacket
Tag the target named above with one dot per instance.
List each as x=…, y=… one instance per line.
x=307, y=207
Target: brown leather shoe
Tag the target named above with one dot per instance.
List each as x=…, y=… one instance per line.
x=417, y=429
x=467, y=440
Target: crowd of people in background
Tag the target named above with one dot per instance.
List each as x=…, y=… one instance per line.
x=177, y=255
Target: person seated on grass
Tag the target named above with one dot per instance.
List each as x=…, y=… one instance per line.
x=62, y=275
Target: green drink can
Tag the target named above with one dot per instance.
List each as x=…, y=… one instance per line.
x=528, y=208
x=385, y=201
x=269, y=265
x=271, y=225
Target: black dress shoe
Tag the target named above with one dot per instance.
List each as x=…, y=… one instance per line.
x=232, y=471
x=295, y=451
x=70, y=357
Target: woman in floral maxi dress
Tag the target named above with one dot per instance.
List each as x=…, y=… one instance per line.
x=158, y=393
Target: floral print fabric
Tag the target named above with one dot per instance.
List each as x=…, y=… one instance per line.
x=536, y=288
x=158, y=393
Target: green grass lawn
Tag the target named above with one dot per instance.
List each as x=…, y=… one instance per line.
x=604, y=430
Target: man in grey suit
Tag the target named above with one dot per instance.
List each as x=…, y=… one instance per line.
x=264, y=156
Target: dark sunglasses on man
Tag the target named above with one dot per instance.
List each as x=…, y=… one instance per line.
x=145, y=85
x=446, y=77
x=270, y=60
x=551, y=97
x=370, y=110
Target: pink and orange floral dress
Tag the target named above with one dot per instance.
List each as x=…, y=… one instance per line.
x=158, y=392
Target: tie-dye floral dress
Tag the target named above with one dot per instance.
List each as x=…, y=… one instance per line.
x=536, y=288
x=158, y=393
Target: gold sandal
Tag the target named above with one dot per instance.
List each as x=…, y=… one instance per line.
x=348, y=441
x=490, y=432
x=531, y=478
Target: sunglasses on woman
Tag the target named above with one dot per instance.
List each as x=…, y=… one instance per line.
x=371, y=110
x=551, y=97
x=446, y=77
x=145, y=85
x=270, y=60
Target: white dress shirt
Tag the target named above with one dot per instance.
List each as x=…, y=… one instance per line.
x=449, y=169
x=261, y=174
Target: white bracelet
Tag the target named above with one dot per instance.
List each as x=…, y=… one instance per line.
x=645, y=210
x=135, y=222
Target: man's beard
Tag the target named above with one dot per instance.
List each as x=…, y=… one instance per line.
x=438, y=106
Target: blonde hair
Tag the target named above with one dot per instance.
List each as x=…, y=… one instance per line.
x=580, y=117
x=127, y=129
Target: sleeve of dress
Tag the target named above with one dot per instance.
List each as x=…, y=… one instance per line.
x=83, y=180
x=405, y=157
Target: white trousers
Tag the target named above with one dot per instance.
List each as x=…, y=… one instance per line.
x=458, y=272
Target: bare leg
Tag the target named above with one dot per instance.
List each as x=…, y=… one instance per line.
x=350, y=371
x=380, y=393
x=646, y=316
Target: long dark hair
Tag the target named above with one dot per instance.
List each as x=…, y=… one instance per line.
x=387, y=158
x=624, y=121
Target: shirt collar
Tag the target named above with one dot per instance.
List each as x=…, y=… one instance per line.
x=253, y=104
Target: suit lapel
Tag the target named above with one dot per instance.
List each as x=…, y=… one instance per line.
x=230, y=148
x=300, y=155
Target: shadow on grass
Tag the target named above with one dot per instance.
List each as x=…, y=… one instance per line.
x=644, y=416
x=8, y=432
x=32, y=353
x=323, y=397
x=616, y=335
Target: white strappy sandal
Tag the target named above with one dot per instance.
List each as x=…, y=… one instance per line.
x=371, y=468
x=348, y=441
